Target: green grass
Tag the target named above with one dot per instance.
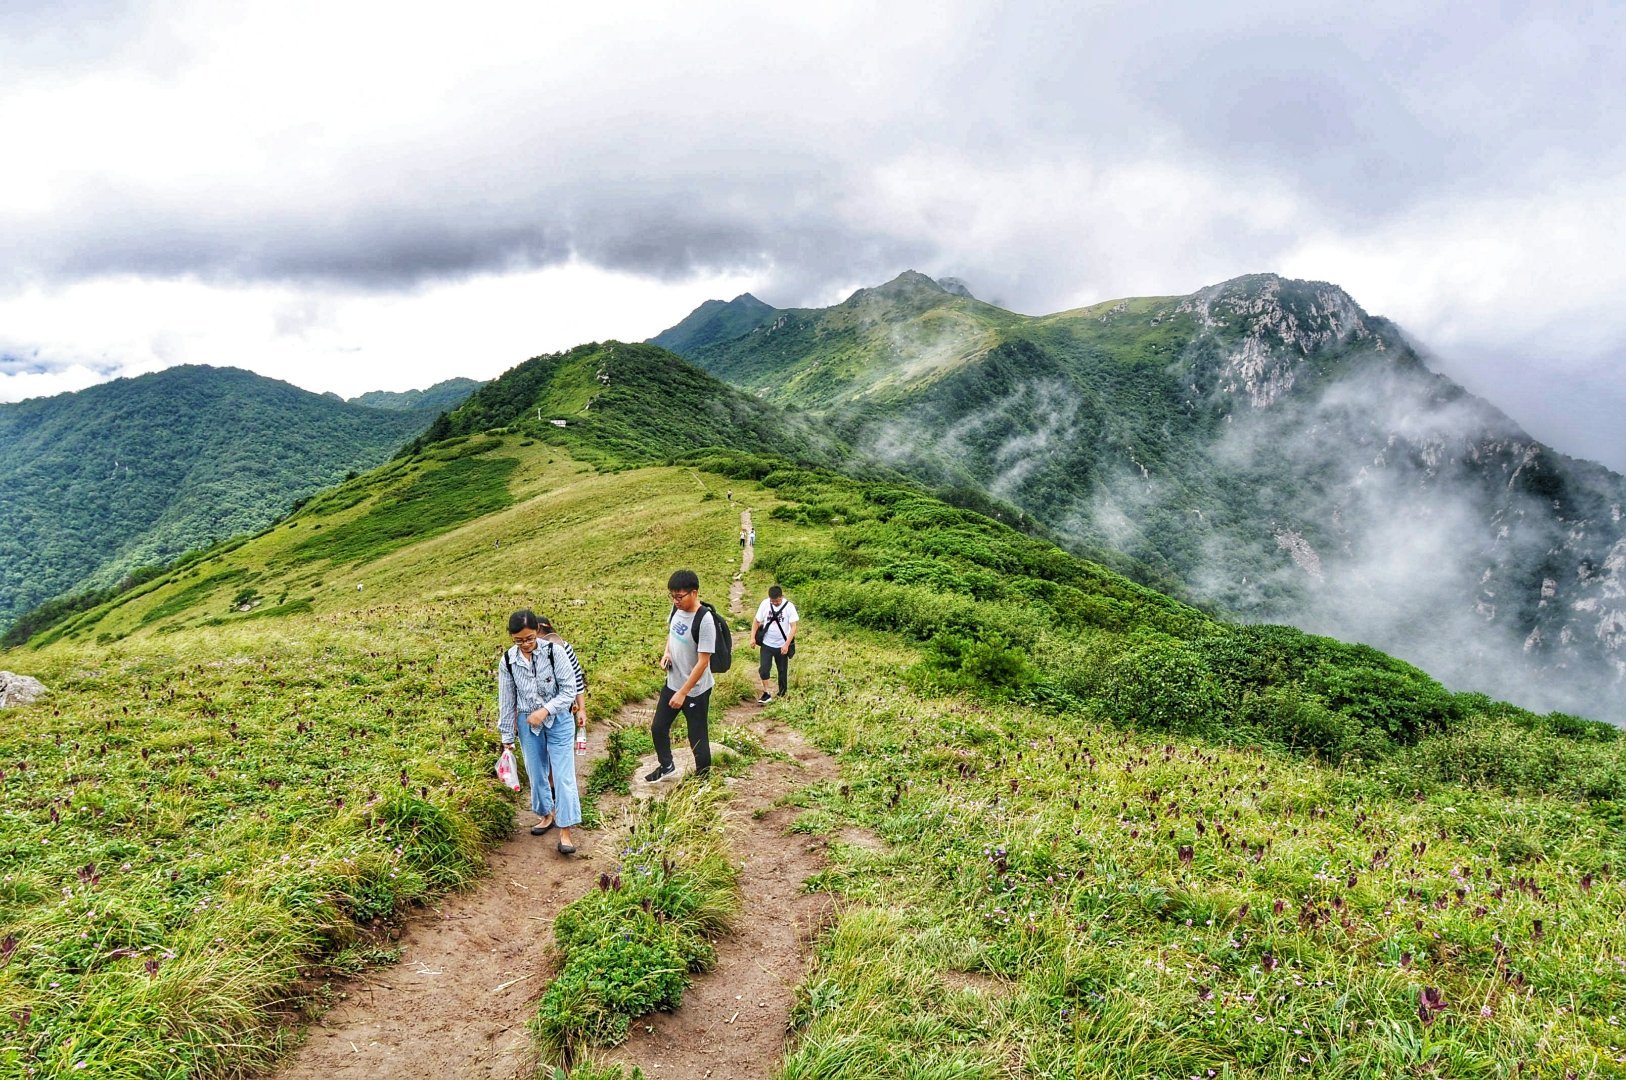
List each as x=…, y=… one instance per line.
x=432, y=502
x=195, y=822
x=631, y=947
x=211, y=810
x=1065, y=898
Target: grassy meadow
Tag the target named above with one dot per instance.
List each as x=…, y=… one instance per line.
x=1061, y=898
x=213, y=807
x=1122, y=838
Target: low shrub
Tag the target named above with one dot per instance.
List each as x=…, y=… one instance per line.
x=630, y=947
x=1164, y=685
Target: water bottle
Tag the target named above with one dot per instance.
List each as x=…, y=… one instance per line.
x=581, y=738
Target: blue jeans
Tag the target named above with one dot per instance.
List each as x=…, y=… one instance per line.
x=552, y=752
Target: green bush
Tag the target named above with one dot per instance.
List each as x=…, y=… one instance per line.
x=988, y=665
x=1164, y=685
x=1299, y=721
x=1500, y=752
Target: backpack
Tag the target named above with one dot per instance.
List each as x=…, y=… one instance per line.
x=723, y=658
x=779, y=618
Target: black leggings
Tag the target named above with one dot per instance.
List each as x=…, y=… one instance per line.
x=772, y=658
x=696, y=708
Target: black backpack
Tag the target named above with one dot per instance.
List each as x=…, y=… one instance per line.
x=779, y=618
x=723, y=658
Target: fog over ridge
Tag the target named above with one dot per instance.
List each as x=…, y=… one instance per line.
x=1316, y=472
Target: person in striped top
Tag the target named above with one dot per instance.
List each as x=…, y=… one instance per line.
x=536, y=693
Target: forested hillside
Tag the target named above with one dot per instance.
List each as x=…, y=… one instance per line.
x=1109, y=834
x=98, y=483
x=1284, y=455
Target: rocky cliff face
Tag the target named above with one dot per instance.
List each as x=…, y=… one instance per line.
x=1418, y=517
x=1284, y=453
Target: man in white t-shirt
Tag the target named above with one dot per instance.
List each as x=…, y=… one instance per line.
x=774, y=631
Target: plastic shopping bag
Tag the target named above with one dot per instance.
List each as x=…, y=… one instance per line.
x=507, y=771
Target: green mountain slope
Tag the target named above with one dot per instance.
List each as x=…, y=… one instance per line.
x=879, y=341
x=631, y=402
x=134, y=472
x=715, y=321
x=1116, y=806
x=1268, y=443
x=438, y=398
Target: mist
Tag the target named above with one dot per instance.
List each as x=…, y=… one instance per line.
x=1387, y=507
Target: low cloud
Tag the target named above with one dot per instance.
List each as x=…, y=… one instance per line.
x=1407, y=529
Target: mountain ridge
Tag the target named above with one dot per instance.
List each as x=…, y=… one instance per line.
x=134, y=472
x=446, y=394
x=1265, y=440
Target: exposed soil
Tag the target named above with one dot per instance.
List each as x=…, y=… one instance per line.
x=734, y=1019
x=471, y=968
x=748, y=555
x=473, y=965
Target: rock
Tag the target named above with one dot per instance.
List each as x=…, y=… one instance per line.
x=18, y=689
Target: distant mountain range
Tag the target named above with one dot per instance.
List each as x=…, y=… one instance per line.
x=1265, y=441
x=438, y=398
x=134, y=472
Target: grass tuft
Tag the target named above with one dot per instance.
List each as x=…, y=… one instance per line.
x=631, y=946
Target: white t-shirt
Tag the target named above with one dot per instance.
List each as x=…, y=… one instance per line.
x=771, y=636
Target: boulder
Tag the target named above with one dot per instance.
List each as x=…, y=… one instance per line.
x=18, y=689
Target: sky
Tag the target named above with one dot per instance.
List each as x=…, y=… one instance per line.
x=369, y=196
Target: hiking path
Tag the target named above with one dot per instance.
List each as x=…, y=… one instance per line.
x=474, y=964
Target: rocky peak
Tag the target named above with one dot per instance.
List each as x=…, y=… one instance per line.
x=1267, y=327
x=909, y=285
x=1300, y=315
x=905, y=296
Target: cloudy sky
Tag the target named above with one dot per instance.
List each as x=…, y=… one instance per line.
x=363, y=196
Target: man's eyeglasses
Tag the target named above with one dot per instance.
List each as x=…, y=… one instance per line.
x=678, y=594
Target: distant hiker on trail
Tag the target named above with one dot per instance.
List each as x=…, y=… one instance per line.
x=691, y=639
x=742, y=536
x=537, y=688
x=774, y=631
x=751, y=538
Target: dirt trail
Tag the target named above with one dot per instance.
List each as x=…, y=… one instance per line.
x=473, y=965
x=734, y=1019
x=748, y=555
